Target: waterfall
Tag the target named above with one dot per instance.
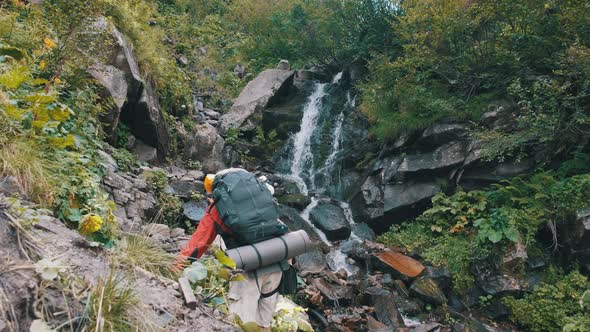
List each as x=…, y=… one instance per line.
x=307, y=175
x=302, y=155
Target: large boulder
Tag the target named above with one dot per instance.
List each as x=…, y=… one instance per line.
x=405, y=195
x=445, y=156
x=255, y=97
x=135, y=101
x=205, y=145
x=442, y=133
x=331, y=220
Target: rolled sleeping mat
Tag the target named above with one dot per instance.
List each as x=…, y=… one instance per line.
x=271, y=251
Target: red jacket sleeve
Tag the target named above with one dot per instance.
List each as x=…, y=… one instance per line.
x=202, y=237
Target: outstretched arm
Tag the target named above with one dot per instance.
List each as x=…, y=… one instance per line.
x=201, y=239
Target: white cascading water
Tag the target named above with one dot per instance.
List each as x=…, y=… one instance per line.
x=302, y=155
x=302, y=165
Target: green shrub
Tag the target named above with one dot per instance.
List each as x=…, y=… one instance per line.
x=562, y=305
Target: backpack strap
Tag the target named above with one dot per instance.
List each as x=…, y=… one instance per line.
x=265, y=295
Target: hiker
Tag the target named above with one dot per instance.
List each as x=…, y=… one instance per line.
x=253, y=299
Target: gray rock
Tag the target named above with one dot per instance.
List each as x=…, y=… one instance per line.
x=363, y=231
x=145, y=152
x=331, y=220
x=185, y=186
x=428, y=290
x=182, y=60
x=407, y=194
x=157, y=230
x=312, y=262
x=284, y=65
x=385, y=306
x=515, y=257
x=495, y=282
x=135, y=101
x=9, y=185
x=440, y=134
x=205, y=145
x=107, y=161
x=177, y=232
x=298, y=201
x=408, y=306
x=130, y=194
x=448, y=155
x=239, y=70
x=196, y=174
x=494, y=173
x=498, y=115
x=130, y=144
x=255, y=97
x=194, y=210
x=211, y=114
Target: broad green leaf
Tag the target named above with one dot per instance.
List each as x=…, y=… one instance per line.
x=196, y=272
x=511, y=234
x=494, y=236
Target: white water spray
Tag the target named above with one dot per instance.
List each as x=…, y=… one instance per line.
x=302, y=155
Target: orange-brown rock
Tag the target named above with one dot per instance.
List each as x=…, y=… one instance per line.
x=404, y=264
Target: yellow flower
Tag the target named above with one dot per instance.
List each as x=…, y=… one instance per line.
x=56, y=80
x=42, y=64
x=49, y=43
x=90, y=224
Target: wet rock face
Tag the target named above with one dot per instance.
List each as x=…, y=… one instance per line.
x=298, y=201
x=331, y=220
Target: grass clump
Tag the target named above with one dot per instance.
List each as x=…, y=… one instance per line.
x=561, y=305
x=140, y=251
x=34, y=172
x=113, y=305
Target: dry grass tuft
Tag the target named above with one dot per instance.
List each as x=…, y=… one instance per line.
x=113, y=305
x=25, y=161
x=139, y=251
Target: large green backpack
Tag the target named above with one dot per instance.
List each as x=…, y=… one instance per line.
x=246, y=206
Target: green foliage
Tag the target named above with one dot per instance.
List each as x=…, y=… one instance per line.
x=469, y=227
x=126, y=160
x=169, y=205
x=562, y=305
x=211, y=277
x=50, y=144
x=458, y=55
x=232, y=136
x=156, y=179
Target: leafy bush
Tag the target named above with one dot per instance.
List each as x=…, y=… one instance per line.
x=467, y=227
x=562, y=305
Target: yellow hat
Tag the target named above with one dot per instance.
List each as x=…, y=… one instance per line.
x=209, y=182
